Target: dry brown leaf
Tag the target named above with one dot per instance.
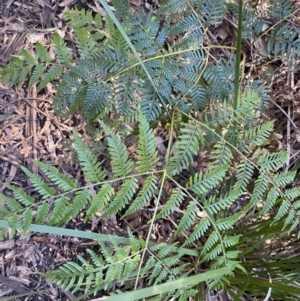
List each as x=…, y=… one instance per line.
x=26, y=148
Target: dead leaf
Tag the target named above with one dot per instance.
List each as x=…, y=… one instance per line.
x=26, y=148
x=160, y=145
x=222, y=31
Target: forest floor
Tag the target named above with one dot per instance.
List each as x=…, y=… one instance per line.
x=30, y=130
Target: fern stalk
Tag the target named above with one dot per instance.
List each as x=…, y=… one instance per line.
x=238, y=57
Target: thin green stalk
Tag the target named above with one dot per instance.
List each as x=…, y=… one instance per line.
x=88, y=235
x=238, y=57
x=237, y=66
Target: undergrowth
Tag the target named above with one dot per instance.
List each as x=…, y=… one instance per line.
x=142, y=66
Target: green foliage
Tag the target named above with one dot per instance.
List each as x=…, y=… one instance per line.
x=102, y=74
x=134, y=183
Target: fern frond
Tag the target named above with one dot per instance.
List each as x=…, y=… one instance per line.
x=63, y=53
x=144, y=196
x=283, y=210
x=270, y=162
x=124, y=196
x=85, y=42
x=23, y=75
x=28, y=58
x=284, y=178
x=186, y=147
x=36, y=74
x=260, y=187
x=213, y=10
x=221, y=154
x=40, y=186
x=201, y=184
x=82, y=198
x=88, y=161
x=147, y=153
x=42, y=212
x=63, y=182
x=12, y=204
x=54, y=72
x=211, y=206
x=58, y=213
x=244, y=173
x=100, y=200
x=188, y=218
x=258, y=136
x=283, y=40
x=21, y=195
x=120, y=162
x=173, y=202
x=42, y=54
x=13, y=223
x=199, y=231
x=26, y=220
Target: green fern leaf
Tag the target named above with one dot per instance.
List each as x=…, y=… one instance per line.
x=63, y=53
x=23, y=75
x=186, y=146
x=188, y=219
x=271, y=162
x=100, y=200
x=40, y=186
x=201, y=184
x=123, y=197
x=284, y=178
x=60, y=208
x=28, y=58
x=283, y=210
x=26, y=220
x=199, y=230
x=259, y=135
x=97, y=261
x=213, y=10
x=270, y=201
x=174, y=201
x=214, y=207
x=42, y=53
x=59, y=179
x=121, y=164
x=21, y=195
x=54, y=72
x=37, y=72
x=42, y=213
x=158, y=267
x=82, y=198
x=244, y=173
x=147, y=154
x=106, y=252
x=85, y=42
x=292, y=193
x=13, y=223
x=13, y=205
x=144, y=196
x=130, y=265
x=88, y=161
x=260, y=187
x=221, y=154
x=211, y=241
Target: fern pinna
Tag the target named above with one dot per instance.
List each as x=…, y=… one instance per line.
x=202, y=203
